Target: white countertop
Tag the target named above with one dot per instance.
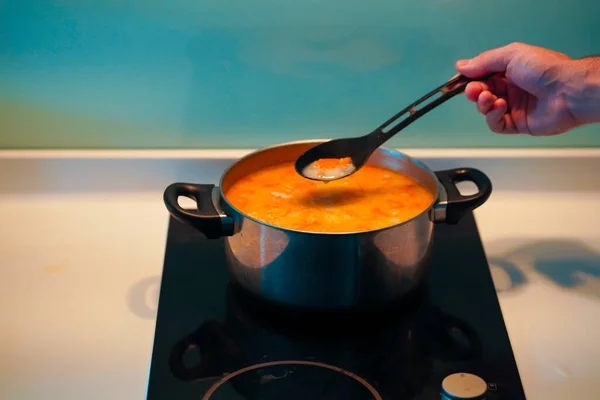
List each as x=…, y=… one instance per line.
x=82, y=236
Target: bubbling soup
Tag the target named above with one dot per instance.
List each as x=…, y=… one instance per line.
x=372, y=198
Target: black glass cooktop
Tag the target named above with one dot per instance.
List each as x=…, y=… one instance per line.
x=214, y=341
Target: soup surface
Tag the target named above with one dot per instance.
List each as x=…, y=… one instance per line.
x=372, y=198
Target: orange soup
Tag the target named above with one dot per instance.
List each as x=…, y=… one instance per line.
x=372, y=198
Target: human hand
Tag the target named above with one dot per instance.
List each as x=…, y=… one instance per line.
x=537, y=90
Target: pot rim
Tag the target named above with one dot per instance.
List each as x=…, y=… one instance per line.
x=317, y=141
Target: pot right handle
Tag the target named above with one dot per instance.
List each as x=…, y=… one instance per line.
x=456, y=205
x=207, y=218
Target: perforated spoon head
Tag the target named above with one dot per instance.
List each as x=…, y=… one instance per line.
x=343, y=156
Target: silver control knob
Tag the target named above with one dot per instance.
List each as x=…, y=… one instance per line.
x=463, y=386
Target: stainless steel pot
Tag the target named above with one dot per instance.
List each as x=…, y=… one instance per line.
x=329, y=271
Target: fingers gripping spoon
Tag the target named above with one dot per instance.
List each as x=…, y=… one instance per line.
x=350, y=154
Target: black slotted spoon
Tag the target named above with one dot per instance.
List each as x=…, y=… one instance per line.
x=359, y=149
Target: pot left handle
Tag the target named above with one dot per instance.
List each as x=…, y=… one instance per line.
x=208, y=218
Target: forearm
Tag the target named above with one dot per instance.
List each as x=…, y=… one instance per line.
x=583, y=93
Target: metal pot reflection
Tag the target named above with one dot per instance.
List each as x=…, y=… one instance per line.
x=392, y=351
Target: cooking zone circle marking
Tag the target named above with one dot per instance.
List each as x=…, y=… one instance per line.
x=213, y=388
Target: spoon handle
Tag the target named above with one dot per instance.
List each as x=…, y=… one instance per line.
x=448, y=90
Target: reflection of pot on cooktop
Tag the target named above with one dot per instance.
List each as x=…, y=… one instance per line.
x=260, y=353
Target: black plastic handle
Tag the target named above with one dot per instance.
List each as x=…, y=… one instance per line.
x=447, y=91
x=205, y=218
x=457, y=204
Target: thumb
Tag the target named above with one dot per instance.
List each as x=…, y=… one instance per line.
x=495, y=60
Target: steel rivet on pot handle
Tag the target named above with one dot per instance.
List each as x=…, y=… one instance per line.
x=208, y=217
x=452, y=205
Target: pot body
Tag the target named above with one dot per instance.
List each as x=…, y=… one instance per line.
x=325, y=270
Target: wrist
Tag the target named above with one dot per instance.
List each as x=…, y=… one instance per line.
x=583, y=90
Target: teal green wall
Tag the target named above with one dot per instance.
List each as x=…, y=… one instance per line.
x=249, y=73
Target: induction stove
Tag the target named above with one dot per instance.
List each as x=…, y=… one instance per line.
x=445, y=340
